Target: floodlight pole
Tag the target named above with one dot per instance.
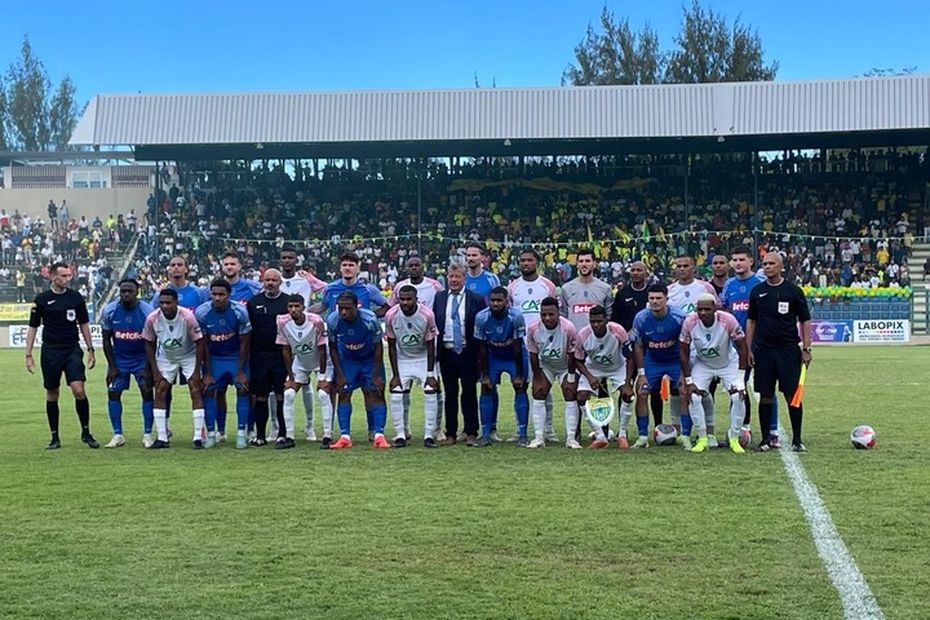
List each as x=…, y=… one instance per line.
x=419, y=207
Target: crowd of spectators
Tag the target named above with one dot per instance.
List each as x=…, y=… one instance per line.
x=849, y=219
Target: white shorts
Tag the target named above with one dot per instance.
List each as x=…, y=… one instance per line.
x=169, y=370
x=703, y=375
x=614, y=381
x=409, y=371
x=555, y=377
x=305, y=376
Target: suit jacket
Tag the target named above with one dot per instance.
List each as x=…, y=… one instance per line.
x=474, y=304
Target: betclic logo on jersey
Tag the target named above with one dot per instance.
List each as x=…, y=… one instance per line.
x=17, y=336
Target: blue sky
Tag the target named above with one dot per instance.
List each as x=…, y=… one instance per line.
x=124, y=47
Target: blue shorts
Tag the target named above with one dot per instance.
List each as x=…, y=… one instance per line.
x=359, y=374
x=497, y=367
x=121, y=382
x=655, y=372
x=224, y=372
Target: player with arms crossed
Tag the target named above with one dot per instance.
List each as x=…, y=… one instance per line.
x=551, y=344
x=499, y=331
x=600, y=355
x=175, y=347
x=225, y=325
x=411, y=335
x=63, y=312
x=302, y=335
x=720, y=353
x=122, y=322
x=655, y=334
x=358, y=363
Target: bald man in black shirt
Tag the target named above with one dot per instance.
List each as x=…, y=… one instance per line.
x=776, y=308
x=63, y=313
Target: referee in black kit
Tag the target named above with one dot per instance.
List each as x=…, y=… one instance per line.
x=63, y=313
x=776, y=307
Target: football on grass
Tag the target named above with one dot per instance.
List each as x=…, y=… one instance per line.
x=664, y=434
x=862, y=437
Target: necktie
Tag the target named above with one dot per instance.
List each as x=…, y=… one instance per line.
x=458, y=340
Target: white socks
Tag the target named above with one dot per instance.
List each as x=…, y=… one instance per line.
x=696, y=408
x=326, y=410
x=430, y=413
x=306, y=393
x=161, y=424
x=198, y=424
x=737, y=413
x=397, y=414
x=571, y=419
x=626, y=412
x=290, y=396
x=538, y=413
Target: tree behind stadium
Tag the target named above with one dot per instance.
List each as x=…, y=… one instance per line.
x=707, y=49
x=33, y=115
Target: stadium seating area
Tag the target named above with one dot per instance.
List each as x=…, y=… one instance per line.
x=846, y=220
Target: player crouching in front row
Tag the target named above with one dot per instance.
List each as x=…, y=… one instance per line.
x=714, y=334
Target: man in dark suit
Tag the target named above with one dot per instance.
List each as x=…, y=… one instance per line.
x=455, y=309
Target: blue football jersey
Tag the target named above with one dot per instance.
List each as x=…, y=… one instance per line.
x=658, y=335
x=368, y=294
x=482, y=284
x=244, y=290
x=499, y=333
x=735, y=296
x=126, y=325
x=222, y=328
x=189, y=296
x=354, y=340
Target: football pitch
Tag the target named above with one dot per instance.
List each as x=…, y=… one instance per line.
x=458, y=532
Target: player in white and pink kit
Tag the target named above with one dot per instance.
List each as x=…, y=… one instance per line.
x=174, y=344
x=411, y=333
x=601, y=358
x=426, y=294
x=525, y=294
x=551, y=344
x=718, y=345
x=303, y=336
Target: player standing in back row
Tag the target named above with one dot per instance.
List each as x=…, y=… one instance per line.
x=63, y=313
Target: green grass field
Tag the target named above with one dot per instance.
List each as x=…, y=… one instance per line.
x=459, y=532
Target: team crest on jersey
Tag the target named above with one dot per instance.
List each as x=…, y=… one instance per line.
x=585, y=293
x=687, y=293
x=660, y=329
x=707, y=337
x=222, y=321
x=351, y=332
x=300, y=334
x=500, y=330
x=171, y=328
x=409, y=325
x=287, y=284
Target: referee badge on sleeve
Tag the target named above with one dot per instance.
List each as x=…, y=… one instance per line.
x=783, y=307
x=72, y=315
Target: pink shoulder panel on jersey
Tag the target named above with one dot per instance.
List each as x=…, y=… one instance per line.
x=731, y=325
x=583, y=334
x=282, y=320
x=389, y=321
x=431, y=330
x=687, y=326
x=435, y=284
x=531, y=337
x=319, y=326
x=193, y=327
x=148, y=330
x=617, y=330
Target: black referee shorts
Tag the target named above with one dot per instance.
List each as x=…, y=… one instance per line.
x=268, y=375
x=56, y=361
x=782, y=364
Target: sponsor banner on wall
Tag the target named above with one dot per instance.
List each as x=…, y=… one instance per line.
x=831, y=331
x=17, y=336
x=14, y=312
x=893, y=330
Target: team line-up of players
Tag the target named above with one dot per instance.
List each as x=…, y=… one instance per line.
x=268, y=339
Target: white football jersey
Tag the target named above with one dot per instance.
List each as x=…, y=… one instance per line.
x=303, y=286
x=603, y=356
x=176, y=338
x=411, y=333
x=712, y=345
x=553, y=346
x=426, y=291
x=304, y=340
x=526, y=296
x=685, y=296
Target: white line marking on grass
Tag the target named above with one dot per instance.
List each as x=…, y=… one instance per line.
x=855, y=594
x=849, y=582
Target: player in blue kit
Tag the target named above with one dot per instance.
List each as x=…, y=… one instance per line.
x=735, y=298
x=478, y=279
x=499, y=330
x=189, y=295
x=225, y=325
x=368, y=295
x=241, y=290
x=655, y=334
x=122, y=321
x=358, y=363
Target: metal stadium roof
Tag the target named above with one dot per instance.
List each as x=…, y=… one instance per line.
x=523, y=117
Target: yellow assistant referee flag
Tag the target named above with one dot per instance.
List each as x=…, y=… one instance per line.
x=799, y=393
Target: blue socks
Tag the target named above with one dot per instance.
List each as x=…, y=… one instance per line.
x=344, y=413
x=486, y=411
x=115, y=409
x=148, y=415
x=210, y=413
x=378, y=415
x=642, y=425
x=243, y=409
x=521, y=403
x=686, y=425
